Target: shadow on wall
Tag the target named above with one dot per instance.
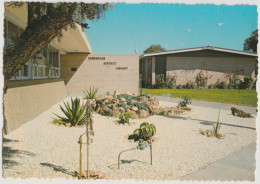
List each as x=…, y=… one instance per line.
x=9, y=154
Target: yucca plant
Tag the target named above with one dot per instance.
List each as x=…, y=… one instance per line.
x=145, y=132
x=74, y=114
x=91, y=93
x=216, y=128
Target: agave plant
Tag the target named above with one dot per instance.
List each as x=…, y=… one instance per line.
x=91, y=93
x=145, y=132
x=74, y=114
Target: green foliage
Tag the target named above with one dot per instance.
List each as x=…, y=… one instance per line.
x=247, y=83
x=145, y=132
x=74, y=114
x=141, y=106
x=121, y=104
x=250, y=43
x=185, y=102
x=216, y=127
x=233, y=79
x=154, y=48
x=91, y=93
x=124, y=118
x=202, y=79
x=240, y=113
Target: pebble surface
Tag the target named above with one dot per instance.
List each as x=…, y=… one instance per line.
x=40, y=149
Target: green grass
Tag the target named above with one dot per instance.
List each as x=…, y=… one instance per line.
x=231, y=96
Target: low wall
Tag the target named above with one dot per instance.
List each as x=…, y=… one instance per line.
x=22, y=104
x=106, y=72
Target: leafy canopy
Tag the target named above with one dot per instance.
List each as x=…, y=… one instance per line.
x=154, y=48
x=250, y=43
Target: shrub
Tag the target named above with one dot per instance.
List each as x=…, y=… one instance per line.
x=141, y=106
x=124, y=118
x=189, y=85
x=171, y=81
x=145, y=132
x=240, y=113
x=185, y=102
x=202, y=79
x=247, y=83
x=91, y=93
x=221, y=85
x=160, y=83
x=233, y=79
x=74, y=114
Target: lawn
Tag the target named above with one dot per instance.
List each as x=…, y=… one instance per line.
x=232, y=96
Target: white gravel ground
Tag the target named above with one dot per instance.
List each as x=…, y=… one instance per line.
x=40, y=149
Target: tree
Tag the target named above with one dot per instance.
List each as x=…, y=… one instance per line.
x=154, y=48
x=250, y=44
x=45, y=22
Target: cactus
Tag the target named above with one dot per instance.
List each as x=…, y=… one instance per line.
x=145, y=132
x=124, y=118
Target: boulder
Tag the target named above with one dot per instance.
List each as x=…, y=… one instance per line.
x=143, y=114
x=107, y=111
x=135, y=115
x=133, y=102
x=155, y=102
x=134, y=108
x=122, y=99
x=110, y=98
x=127, y=107
x=116, y=112
x=99, y=97
x=145, y=100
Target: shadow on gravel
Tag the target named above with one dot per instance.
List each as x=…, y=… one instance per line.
x=173, y=117
x=8, y=154
x=57, y=168
x=211, y=123
x=113, y=166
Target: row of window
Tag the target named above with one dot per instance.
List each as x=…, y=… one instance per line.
x=44, y=64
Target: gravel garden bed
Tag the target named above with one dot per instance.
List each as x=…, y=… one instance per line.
x=40, y=149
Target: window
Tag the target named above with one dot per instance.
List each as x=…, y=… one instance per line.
x=44, y=64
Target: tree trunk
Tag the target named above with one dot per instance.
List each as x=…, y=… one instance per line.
x=36, y=36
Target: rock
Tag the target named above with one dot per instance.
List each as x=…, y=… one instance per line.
x=67, y=124
x=128, y=93
x=107, y=111
x=134, y=108
x=133, y=102
x=135, y=115
x=155, y=102
x=116, y=112
x=145, y=100
x=131, y=123
x=122, y=99
x=99, y=97
x=127, y=107
x=110, y=98
x=143, y=114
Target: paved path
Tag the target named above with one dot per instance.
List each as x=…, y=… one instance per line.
x=216, y=105
x=239, y=166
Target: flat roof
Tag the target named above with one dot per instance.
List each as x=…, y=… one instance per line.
x=199, y=49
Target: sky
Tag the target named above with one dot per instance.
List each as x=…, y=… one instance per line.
x=174, y=26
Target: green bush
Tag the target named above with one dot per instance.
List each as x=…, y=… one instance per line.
x=141, y=106
x=124, y=118
x=74, y=114
x=185, y=102
x=145, y=132
x=91, y=93
x=247, y=83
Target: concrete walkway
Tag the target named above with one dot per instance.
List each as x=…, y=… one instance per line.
x=239, y=166
x=216, y=105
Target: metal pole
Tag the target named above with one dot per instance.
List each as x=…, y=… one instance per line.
x=123, y=152
x=87, y=152
x=151, y=152
x=80, y=157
